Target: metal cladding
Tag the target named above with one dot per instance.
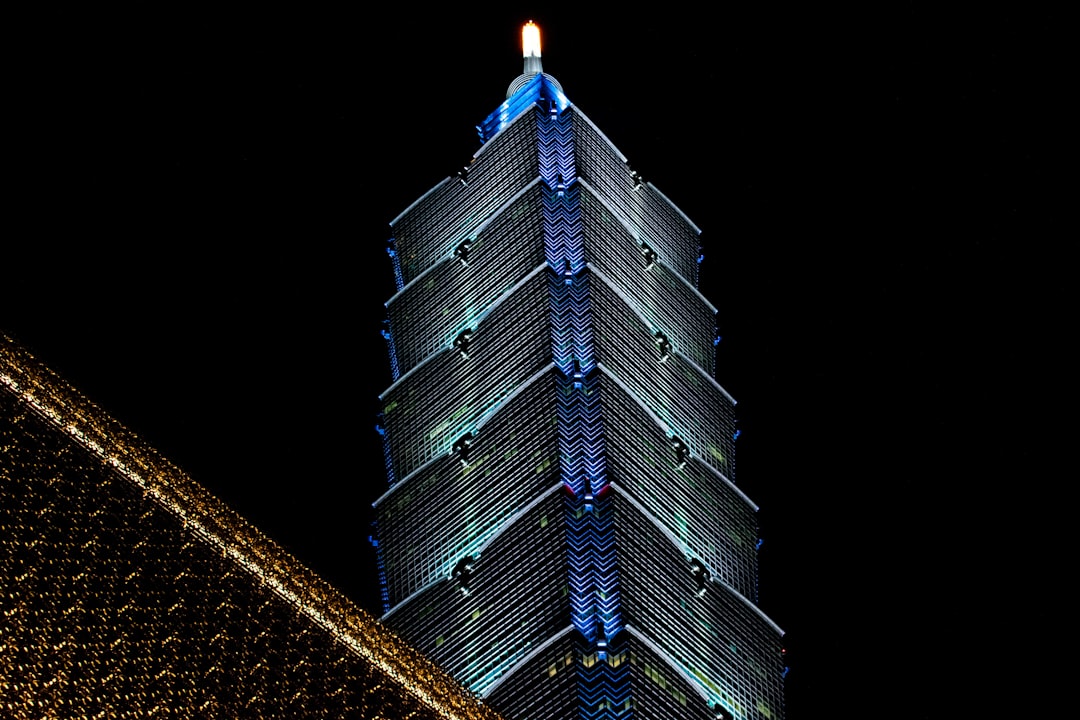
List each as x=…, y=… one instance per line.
x=128, y=591
x=562, y=531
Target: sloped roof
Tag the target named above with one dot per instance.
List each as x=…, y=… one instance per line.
x=127, y=590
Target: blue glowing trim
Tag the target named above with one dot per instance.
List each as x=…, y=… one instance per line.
x=594, y=596
x=593, y=574
x=384, y=588
x=563, y=235
x=391, y=349
x=540, y=90
x=564, y=247
x=581, y=439
x=594, y=592
x=388, y=459
x=572, y=341
x=556, y=153
x=399, y=279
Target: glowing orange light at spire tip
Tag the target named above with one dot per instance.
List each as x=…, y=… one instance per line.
x=530, y=39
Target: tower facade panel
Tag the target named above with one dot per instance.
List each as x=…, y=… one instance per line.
x=500, y=601
x=468, y=280
x=443, y=400
x=701, y=510
x=452, y=211
x=654, y=220
x=666, y=301
x=448, y=509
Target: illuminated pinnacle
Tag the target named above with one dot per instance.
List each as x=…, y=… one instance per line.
x=530, y=51
x=530, y=48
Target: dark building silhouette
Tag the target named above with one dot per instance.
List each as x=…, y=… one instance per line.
x=128, y=591
x=562, y=531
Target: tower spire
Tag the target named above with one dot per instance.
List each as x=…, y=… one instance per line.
x=530, y=52
x=530, y=48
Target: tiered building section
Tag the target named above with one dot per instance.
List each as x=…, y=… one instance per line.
x=562, y=531
x=128, y=591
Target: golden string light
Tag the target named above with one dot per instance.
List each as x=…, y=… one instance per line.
x=42, y=650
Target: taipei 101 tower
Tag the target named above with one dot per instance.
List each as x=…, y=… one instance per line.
x=562, y=531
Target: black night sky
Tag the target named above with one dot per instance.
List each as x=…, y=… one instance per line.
x=196, y=240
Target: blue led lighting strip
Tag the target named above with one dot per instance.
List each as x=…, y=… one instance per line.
x=539, y=90
x=581, y=438
x=556, y=155
x=593, y=563
x=571, y=329
x=563, y=238
x=383, y=588
x=395, y=369
x=563, y=246
x=399, y=279
x=399, y=283
x=591, y=552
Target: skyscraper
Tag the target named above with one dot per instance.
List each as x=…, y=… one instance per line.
x=562, y=531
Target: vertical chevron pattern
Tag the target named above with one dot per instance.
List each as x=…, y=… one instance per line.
x=556, y=156
x=571, y=327
x=605, y=690
x=592, y=556
x=563, y=239
x=564, y=249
